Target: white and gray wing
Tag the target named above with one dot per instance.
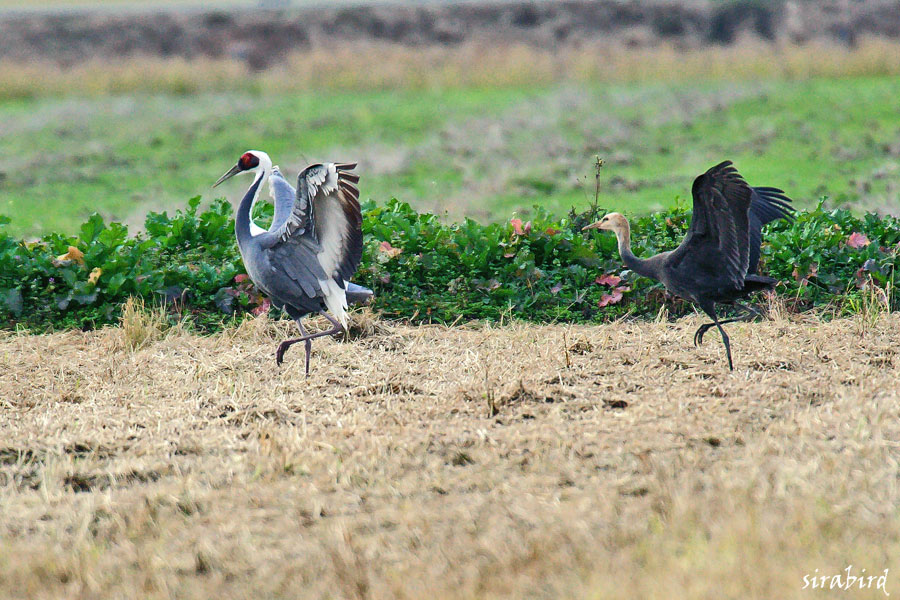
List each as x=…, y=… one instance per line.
x=336, y=218
x=326, y=192
x=319, y=244
x=283, y=195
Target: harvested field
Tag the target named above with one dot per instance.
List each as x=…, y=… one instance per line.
x=614, y=461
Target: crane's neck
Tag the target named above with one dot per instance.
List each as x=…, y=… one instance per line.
x=265, y=166
x=244, y=227
x=638, y=265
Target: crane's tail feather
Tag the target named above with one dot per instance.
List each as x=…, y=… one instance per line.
x=757, y=283
x=335, y=299
x=358, y=294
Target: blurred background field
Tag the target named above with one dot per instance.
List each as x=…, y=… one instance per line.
x=467, y=127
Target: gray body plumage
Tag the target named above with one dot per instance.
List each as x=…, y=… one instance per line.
x=305, y=260
x=283, y=260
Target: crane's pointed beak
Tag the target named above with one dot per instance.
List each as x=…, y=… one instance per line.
x=234, y=171
x=591, y=226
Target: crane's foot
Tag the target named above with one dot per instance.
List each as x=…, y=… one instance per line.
x=698, y=336
x=282, y=348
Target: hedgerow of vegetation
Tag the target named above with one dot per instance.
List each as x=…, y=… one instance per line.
x=423, y=270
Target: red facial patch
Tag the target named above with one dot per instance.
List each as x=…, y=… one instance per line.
x=246, y=160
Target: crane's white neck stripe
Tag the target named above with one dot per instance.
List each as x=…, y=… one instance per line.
x=265, y=170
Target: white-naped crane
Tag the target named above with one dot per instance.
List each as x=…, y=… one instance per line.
x=305, y=260
x=717, y=260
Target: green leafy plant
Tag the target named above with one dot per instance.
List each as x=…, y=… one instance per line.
x=424, y=270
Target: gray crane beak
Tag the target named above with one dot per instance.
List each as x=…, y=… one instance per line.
x=591, y=226
x=234, y=171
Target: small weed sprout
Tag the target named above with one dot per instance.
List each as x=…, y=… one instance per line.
x=141, y=325
x=871, y=305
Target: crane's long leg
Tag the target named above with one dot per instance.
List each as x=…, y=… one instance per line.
x=307, y=338
x=749, y=313
x=308, y=344
x=711, y=311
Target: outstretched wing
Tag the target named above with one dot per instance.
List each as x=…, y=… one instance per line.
x=336, y=217
x=283, y=195
x=318, y=244
x=767, y=204
x=718, y=240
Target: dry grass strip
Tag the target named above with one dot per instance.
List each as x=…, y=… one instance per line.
x=380, y=66
x=613, y=461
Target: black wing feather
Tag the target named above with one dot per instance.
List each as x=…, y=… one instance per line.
x=767, y=204
x=718, y=239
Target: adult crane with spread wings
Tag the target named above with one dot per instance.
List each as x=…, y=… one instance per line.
x=305, y=260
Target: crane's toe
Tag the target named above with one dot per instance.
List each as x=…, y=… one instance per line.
x=701, y=331
x=279, y=354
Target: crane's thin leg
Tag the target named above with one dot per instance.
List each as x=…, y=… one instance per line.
x=749, y=313
x=711, y=311
x=307, y=338
x=308, y=344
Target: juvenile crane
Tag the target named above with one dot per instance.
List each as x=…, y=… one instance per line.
x=717, y=260
x=305, y=260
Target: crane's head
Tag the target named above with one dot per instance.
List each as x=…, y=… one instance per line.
x=611, y=222
x=249, y=162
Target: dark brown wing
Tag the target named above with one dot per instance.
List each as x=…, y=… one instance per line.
x=718, y=240
x=767, y=204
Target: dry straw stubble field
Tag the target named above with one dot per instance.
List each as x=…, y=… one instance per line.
x=552, y=461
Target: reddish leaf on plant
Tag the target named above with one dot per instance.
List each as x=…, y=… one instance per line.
x=614, y=297
x=386, y=248
x=517, y=226
x=608, y=279
x=608, y=299
x=858, y=240
x=556, y=289
x=240, y=278
x=262, y=308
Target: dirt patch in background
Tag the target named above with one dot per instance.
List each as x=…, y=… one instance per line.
x=614, y=461
x=263, y=37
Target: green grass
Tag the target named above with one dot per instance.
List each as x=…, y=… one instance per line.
x=472, y=151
